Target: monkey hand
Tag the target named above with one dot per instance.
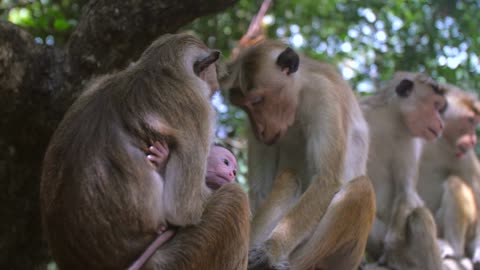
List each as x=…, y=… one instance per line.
x=258, y=259
x=158, y=154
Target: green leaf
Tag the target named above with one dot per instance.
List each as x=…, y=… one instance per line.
x=61, y=25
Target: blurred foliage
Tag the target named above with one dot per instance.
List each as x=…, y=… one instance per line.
x=367, y=40
x=50, y=21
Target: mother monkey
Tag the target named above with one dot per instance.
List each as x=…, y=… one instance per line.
x=103, y=201
x=306, y=120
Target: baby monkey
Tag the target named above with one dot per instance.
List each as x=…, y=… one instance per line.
x=221, y=164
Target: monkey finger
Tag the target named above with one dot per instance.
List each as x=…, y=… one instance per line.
x=156, y=151
x=157, y=161
x=164, y=147
x=161, y=147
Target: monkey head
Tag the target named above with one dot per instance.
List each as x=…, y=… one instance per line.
x=221, y=167
x=195, y=58
x=421, y=102
x=264, y=83
x=461, y=120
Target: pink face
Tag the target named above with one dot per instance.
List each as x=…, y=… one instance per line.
x=464, y=143
x=426, y=121
x=461, y=131
x=221, y=167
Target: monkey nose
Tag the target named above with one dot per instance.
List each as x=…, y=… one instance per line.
x=234, y=172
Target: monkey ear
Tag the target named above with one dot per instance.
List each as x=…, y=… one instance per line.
x=476, y=107
x=202, y=64
x=404, y=88
x=236, y=97
x=288, y=61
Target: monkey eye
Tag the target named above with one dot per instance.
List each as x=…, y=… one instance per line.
x=444, y=108
x=471, y=120
x=257, y=100
x=225, y=161
x=438, y=106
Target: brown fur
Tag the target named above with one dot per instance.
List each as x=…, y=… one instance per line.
x=101, y=199
x=397, y=118
x=410, y=254
x=314, y=126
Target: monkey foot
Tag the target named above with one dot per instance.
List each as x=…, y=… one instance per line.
x=259, y=260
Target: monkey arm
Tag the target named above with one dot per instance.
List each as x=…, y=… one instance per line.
x=284, y=194
x=326, y=150
x=406, y=198
x=185, y=192
x=300, y=221
x=262, y=166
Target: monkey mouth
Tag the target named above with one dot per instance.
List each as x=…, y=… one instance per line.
x=223, y=179
x=460, y=151
x=218, y=181
x=213, y=186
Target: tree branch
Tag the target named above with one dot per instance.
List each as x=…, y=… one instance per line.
x=111, y=33
x=38, y=83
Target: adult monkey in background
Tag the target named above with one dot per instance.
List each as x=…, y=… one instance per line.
x=449, y=177
x=103, y=202
x=408, y=109
x=309, y=131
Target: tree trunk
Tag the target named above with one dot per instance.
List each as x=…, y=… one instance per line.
x=38, y=83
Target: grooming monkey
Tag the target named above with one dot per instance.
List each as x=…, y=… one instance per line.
x=449, y=177
x=309, y=135
x=221, y=163
x=400, y=116
x=102, y=201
